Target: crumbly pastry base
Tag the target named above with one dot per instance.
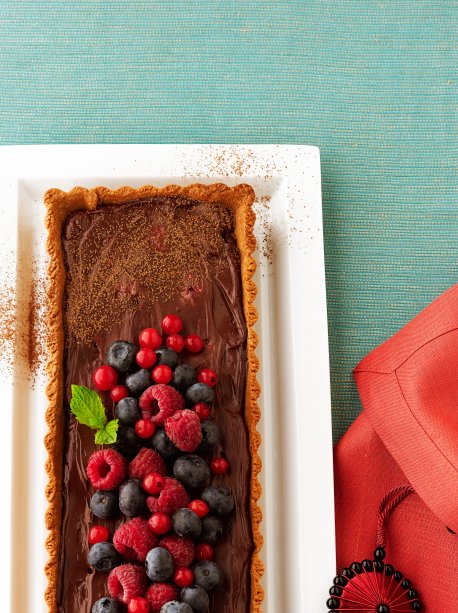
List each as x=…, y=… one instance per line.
x=59, y=205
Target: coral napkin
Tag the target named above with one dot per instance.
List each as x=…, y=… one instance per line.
x=407, y=433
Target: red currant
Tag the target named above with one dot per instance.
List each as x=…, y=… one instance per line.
x=118, y=392
x=200, y=508
x=172, y=324
x=138, y=605
x=105, y=378
x=204, y=551
x=202, y=410
x=175, y=342
x=194, y=343
x=162, y=374
x=144, y=428
x=208, y=376
x=151, y=338
x=160, y=523
x=146, y=357
x=98, y=534
x=183, y=576
x=153, y=483
x=219, y=466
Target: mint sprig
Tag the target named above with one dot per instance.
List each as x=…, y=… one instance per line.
x=87, y=406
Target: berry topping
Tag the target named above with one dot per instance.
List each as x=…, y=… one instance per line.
x=137, y=382
x=160, y=523
x=144, y=428
x=128, y=442
x=199, y=392
x=199, y=507
x=103, y=557
x=147, y=461
x=146, y=358
x=172, y=324
x=194, y=343
x=184, y=430
x=207, y=575
x=134, y=539
x=151, y=338
x=160, y=593
x=162, y=374
x=127, y=411
x=192, y=471
x=167, y=356
x=202, y=410
x=98, y=534
x=172, y=497
x=153, y=483
x=184, y=376
x=132, y=498
x=126, y=582
x=105, y=378
x=219, y=499
x=196, y=598
x=121, y=356
x=208, y=376
x=160, y=401
x=210, y=436
x=163, y=445
x=183, y=577
x=138, y=605
x=106, y=605
x=181, y=549
x=219, y=466
x=176, y=607
x=106, y=469
x=186, y=523
x=118, y=392
x=212, y=529
x=159, y=564
x=204, y=551
x=104, y=504
x=175, y=342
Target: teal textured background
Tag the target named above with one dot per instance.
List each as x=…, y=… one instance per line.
x=372, y=83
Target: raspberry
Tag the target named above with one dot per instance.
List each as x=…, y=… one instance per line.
x=172, y=498
x=181, y=549
x=134, y=539
x=159, y=402
x=146, y=461
x=127, y=581
x=138, y=605
x=183, y=429
x=106, y=469
x=175, y=342
x=171, y=324
x=160, y=593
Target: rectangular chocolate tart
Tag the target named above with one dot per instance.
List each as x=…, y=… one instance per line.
x=119, y=261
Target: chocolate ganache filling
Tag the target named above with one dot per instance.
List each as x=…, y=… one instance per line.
x=127, y=266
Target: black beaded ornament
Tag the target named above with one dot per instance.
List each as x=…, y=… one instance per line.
x=373, y=586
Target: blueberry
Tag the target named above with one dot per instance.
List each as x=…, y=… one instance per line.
x=121, y=356
x=175, y=607
x=192, y=471
x=164, y=446
x=103, y=557
x=199, y=392
x=187, y=523
x=166, y=356
x=104, y=504
x=132, y=498
x=106, y=605
x=210, y=436
x=184, y=376
x=196, y=598
x=212, y=528
x=127, y=442
x=207, y=575
x=127, y=411
x=138, y=381
x=159, y=564
x=219, y=499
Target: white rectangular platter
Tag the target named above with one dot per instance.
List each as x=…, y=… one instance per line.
x=297, y=478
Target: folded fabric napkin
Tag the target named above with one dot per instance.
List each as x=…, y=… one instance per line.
x=407, y=434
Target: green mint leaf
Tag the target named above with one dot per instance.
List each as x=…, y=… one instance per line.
x=87, y=406
x=108, y=434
